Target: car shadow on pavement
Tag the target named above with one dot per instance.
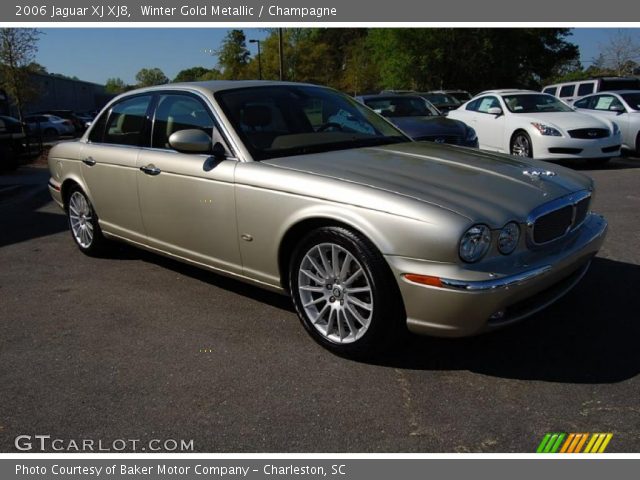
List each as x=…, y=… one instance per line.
x=589, y=336
x=122, y=251
x=21, y=220
x=621, y=163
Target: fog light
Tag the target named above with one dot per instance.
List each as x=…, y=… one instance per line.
x=499, y=315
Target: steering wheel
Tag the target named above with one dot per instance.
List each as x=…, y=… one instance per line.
x=328, y=125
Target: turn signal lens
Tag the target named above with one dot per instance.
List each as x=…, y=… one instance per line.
x=423, y=279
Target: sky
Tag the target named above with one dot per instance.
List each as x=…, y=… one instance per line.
x=95, y=54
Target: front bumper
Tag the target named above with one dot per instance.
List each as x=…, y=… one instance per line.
x=549, y=148
x=55, y=189
x=473, y=301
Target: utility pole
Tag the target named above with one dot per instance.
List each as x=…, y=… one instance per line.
x=281, y=54
x=259, y=58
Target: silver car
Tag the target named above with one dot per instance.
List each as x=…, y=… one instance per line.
x=302, y=190
x=621, y=107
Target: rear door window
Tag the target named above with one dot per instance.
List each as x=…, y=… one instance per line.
x=128, y=123
x=567, y=91
x=586, y=89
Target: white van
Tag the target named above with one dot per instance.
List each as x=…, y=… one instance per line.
x=572, y=91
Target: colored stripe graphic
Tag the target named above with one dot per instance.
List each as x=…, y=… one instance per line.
x=558, y=442
x=551, y=443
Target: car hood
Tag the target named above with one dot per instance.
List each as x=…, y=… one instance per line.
x=422, y=126
x=481, y=186
x=568, y=120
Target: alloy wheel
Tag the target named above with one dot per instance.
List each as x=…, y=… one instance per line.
x=521, y=146
x=81, y=218
x=335, y=293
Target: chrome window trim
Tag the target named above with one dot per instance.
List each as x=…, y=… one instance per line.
x=228, y=137
x=559, y=203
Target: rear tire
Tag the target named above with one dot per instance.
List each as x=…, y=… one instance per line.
x=344, y=293
x=521, y=145
x=83, y=223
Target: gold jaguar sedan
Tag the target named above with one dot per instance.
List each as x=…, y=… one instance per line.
x=300, y=189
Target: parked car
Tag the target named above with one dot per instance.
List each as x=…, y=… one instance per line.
x=78, y=123
x=420, y=120
x=12, y=142
x=397, y=92
x=621, y=107
x=442, y=101
x=534, y=124
x=572, y=91
x=86, y=120
x=303, y=190
x=460, y=95
x=50, y=126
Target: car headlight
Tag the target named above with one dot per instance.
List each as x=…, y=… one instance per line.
x=475, y=243
x=508, y=238
x=471, y=135
x=616, y=129
x=546, y=129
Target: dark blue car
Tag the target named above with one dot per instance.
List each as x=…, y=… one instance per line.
x=420, y=119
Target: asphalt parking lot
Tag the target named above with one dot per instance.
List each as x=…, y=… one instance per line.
x=140, y=347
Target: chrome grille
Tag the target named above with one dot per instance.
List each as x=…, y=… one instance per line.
x=582, y=209
x=553, y=225
x=589, y=133
x=555, y=219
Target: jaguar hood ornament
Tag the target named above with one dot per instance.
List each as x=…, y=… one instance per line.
x=538, y=173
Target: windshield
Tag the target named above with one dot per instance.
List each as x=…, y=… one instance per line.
x=538, y=103
x=286, y=120
x=404, y=106
x=633, y=99
x=440, y=99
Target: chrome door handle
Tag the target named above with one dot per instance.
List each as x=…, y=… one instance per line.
x=151, y=170
x=89, y=161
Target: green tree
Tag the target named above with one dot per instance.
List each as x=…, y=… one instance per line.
x=37, y=68
x=233, y=55
x=147, y=77
x=470, y=58
x=18, y=47
x=195, y=74
x=115, y=86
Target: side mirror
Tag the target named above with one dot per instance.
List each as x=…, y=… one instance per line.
x=219, y=151
x=190, y=141
x=617, y=108
x=497, y=111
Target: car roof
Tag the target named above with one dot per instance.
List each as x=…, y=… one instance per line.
x=617, y=92
x=505, y=91
x=213, y=86
x=388, y=95
x=449, y=91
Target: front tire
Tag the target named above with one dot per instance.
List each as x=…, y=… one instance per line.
x=83, y=223
x=521, y=145
x=344, y=293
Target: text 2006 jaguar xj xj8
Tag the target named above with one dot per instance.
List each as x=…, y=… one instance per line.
x=303, y=190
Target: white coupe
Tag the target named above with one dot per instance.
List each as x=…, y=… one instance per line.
x=537, y=125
